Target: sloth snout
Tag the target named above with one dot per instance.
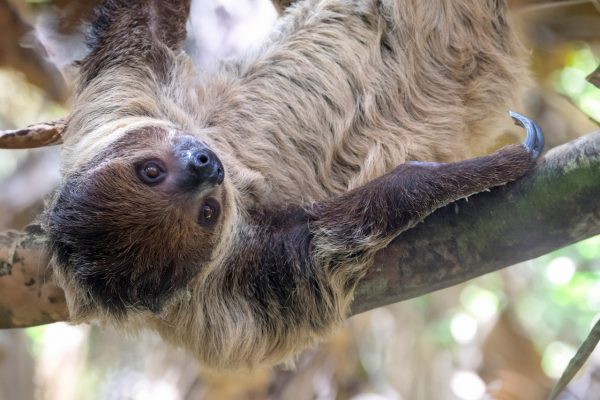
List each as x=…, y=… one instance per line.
x=205, y=166
x=200, y=167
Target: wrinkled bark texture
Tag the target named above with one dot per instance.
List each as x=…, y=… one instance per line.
x=28, y=296
x=553, y=206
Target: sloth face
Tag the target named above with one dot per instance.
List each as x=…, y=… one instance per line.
x=136, y=223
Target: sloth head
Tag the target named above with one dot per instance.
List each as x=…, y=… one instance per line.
x=138, y=221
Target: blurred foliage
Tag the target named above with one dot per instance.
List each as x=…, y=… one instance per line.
x=562, y=302
x=570, y=80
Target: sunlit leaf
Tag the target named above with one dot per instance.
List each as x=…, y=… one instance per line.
x=590, y=248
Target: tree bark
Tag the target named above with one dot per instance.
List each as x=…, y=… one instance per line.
x=28, y=297
x=553, y=206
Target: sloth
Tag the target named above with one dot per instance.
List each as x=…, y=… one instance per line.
x=234, y=211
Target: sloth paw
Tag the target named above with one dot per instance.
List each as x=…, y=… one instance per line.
x=534, y=142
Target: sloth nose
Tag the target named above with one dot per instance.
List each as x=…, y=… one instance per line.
x=206, y=166
x=200, y=167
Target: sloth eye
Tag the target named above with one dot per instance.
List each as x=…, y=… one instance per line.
x=151, y=172
x=209, y=212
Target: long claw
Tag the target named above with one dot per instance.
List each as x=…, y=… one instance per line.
x=534, y=142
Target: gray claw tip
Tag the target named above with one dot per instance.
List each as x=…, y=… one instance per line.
x=534, y=142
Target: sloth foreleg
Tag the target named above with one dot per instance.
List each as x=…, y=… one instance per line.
x=367, y=218
x=342, y=234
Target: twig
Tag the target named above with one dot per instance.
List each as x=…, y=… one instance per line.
x=583, y=353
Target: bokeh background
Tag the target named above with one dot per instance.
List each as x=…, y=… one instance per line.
x=505, y=335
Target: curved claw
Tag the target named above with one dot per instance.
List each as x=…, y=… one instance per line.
x=534, y=142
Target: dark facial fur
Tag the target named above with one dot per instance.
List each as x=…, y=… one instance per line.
x=131, y=242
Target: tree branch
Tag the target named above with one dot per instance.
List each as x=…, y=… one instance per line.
x=555, y=205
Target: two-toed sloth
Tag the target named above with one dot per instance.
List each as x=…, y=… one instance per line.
x=234, y=211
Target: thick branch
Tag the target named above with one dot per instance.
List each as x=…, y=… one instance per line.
x=552, y=207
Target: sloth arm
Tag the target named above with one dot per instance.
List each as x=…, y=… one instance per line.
x=360, y=222
x=383, y=208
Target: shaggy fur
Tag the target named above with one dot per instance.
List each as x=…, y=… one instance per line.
x=310, y=130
